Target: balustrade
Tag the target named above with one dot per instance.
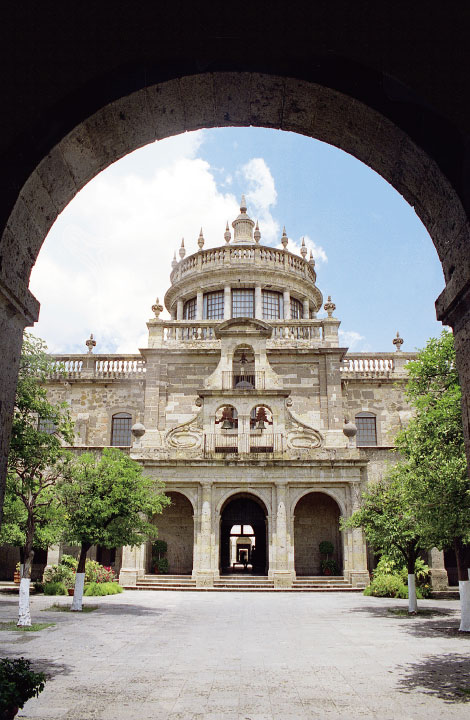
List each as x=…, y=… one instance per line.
x=97, y=366
x=236, y=380
x=368, y=366
x=242, y=443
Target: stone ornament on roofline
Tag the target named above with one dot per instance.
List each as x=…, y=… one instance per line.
x=90, y=343
x=398, y=342
x=330, y=307
x=157, y=308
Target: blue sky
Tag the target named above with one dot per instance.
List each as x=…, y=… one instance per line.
x=108, y=255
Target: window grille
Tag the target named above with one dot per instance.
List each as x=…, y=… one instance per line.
x=272, y=305
x=243, y=303
x=121, y=430
x=296, y=309
x=47, y=426
x=214, y=305
x=366, y=430
x=189, y=310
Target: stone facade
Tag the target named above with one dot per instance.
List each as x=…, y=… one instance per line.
x=239, y=404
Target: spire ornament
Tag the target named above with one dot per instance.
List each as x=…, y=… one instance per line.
x=182, y=250
x=243, y=227
x=284, y=239
x=311, y=259
x=174, y=262
x=330, y=307
x=227, y=234
x=398, y=342
x=257, y=234
x=90, y=343
x=303, y=249
x=157, y=308
x=200, y=240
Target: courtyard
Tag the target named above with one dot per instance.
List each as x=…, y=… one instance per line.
x=244, y=656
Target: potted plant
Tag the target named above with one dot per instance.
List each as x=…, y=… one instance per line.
x=159, y=548
x=17, y=574
x=163, y=566
x=18, y=683
x=327, y=564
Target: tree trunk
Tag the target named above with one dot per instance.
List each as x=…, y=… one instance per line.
x=24, y=614
x=412, y=600
x=464, y=584
x=80, y=579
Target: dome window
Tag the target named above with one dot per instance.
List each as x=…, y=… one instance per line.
x=295, y=309
x=243, y=303
x=214, y=305
x=189, y=311
x=272, y=305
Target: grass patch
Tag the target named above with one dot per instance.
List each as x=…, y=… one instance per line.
x=402, y=612
x=66, y=608
x=34, y=627
x=464, y=691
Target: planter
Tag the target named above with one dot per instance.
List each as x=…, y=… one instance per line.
x=9, y=714
x=70, y=591
x=16, y=579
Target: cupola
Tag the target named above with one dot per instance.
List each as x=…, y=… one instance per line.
x=243, y=227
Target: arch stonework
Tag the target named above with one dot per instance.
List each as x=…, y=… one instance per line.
x=390, y=116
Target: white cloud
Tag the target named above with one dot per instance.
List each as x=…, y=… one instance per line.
x=109, y=254
x=350, y=339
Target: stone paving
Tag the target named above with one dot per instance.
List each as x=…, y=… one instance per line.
x=237, y=656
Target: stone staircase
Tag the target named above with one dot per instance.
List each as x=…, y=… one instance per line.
x=245, y=583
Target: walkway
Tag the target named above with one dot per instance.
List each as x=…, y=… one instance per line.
x=183, y=655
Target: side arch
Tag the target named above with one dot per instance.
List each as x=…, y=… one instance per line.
x=317, y=520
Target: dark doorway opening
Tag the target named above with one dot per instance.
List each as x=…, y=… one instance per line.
x=243, y=537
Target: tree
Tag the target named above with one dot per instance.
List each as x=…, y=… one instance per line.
x=36, y=460
x=108, y=502
x=432, y=446
x=389, y=524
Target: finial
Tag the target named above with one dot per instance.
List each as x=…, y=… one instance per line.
x=311, y=259
x=243, y=205
x=90, y=343
x=303, y=249
x=330, y=307
x=227, y=234
x=174, y=262
x=257, y=234
x=182, y=249
x=200, y=240
x=157, y=308
x=398, y=342
x=284, y=238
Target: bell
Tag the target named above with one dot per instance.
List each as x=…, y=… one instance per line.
x=261, y=425
x=226, y=425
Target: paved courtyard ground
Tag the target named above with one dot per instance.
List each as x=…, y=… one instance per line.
x=239, y=656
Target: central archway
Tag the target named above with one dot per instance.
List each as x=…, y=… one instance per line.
x=243, y=535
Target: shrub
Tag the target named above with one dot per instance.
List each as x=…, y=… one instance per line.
x=58, y=574
x=18, y=683
x=69, y=561
x=38, y=586
x=387, y=586
x=97, y=573
x=387, y=567
x=55, y=588
x=163, y=566
x=326, y=547
x=102, y=588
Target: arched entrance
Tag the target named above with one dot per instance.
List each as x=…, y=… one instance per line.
x=316, y=521
x=176, y=528
x=243, y=536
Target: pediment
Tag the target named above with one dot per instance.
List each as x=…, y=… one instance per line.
x=243, y=326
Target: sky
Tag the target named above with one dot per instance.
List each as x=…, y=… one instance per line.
x=108, y=255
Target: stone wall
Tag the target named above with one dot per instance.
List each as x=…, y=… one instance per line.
x=175, y=526
x=384, y=398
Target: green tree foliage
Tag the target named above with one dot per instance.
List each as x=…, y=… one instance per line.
x=109, y=502
x=432, y=446
x=36, y=458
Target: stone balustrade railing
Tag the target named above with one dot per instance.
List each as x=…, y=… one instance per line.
x=234, y=443
x=378, y=365
x=235, y=255
x=73, y=367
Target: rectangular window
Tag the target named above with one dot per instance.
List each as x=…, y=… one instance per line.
x=366, y=431
x=46, y=426
x=121, y=430
x=189, y=312
x=214, y=305
x=295, y=309
x=272, y=305
x=243, y=303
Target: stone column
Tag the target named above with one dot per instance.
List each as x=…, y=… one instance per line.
x=204, y=573
x=357, y=565
x=227, y=302
x=306, y=309
x=133, y=565
x=199, y=305
x=439, y=579
x=282, y=576
x=287, y=315
x=54, y=553
x=258, y=303
x=179, y=310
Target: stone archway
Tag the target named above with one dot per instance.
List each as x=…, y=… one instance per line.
x=278, y=100
x=316, y=519
x=176, y=528
x=244, y=511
